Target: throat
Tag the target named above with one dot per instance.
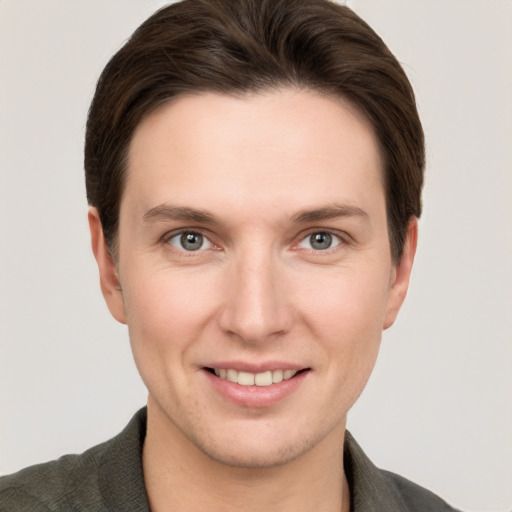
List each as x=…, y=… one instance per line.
x=179, y=475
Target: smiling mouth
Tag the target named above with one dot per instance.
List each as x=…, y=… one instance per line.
x=255, y=379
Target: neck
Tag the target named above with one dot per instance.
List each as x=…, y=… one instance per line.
x=179, y=476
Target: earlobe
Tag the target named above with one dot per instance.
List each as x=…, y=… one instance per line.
x=109, y=281
x=401, y=275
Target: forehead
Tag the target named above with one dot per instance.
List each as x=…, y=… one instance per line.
x=287, y=147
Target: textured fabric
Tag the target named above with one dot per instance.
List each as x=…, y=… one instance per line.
x=109, y=477
x=372, y=489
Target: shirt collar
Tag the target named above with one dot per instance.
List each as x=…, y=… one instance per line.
x=370, y=487
x=121, y=479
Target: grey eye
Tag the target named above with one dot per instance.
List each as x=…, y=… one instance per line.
x=190, y=241
x=320, y=241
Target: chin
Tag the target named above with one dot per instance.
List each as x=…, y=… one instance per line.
x=254, y=458
x=255, y=450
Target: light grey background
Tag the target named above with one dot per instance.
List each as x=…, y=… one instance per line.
x=438, y=408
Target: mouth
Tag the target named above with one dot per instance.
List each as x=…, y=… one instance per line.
x=261, y=379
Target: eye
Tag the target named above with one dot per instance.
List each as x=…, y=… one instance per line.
x=190, y=241
x=320, y=241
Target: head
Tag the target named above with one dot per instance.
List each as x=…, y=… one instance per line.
x=235, y=47
x=254, y=169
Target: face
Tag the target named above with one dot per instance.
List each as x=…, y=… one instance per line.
x=254, y=270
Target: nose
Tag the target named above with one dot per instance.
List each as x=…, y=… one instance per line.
x=257, y=305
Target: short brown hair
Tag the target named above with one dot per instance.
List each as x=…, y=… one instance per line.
x=237, y=46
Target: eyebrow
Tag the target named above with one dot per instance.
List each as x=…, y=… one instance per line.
x=328, y=212
x=165, y=212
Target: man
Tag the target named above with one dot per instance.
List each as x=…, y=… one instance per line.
x=254, y=170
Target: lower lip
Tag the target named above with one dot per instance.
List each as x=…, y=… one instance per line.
x=255, y=396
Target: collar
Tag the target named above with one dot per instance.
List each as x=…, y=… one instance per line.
x=121, y=479
x=370, y=487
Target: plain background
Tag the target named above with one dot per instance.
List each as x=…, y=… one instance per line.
x=438, y=408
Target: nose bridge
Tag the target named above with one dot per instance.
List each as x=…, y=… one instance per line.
x=256, y=305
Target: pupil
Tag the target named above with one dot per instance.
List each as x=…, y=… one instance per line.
x=321, y=241
x=191, y=241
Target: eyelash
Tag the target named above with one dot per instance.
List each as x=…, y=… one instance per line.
x=187, y=232
x=334, y=238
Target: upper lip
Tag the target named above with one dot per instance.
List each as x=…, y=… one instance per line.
x=254, y=367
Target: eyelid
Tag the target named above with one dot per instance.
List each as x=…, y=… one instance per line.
x=338, y=237
x=178, y=232
x=341, y=238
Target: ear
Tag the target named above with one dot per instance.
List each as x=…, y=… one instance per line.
x=401, y=274
x=109, y=282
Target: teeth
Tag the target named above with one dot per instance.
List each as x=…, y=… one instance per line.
x=277, y=376
x=246, y=379
x=250, y=379
x=263, y=379
x=232, y=376
x=288, y=374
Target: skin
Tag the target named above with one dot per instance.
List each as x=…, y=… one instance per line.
x=269, y=170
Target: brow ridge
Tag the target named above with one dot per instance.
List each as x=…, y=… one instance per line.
x=165, y=212
x=328, y=212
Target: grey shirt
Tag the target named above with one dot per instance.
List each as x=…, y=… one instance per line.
x=108, y=477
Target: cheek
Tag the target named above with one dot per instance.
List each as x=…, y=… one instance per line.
x=346, y=315
x=166, y=312
x=345, y=303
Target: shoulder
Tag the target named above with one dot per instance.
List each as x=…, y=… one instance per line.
x=58, y=485
x=413, y=495
x=372, y=488
x=104, y=478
